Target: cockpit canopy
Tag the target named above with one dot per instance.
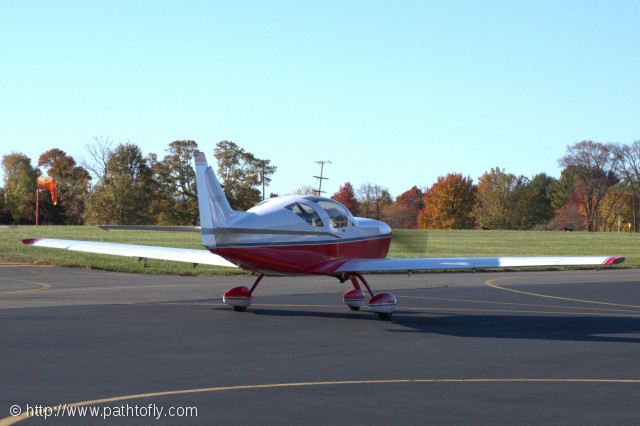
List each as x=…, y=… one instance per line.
x=338, y=214
x=307, y=214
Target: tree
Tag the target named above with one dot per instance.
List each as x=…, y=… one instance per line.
x=561, y=190
x=408, y=206
x=5, y=214
x=372, y=199
x=504, y=201
x=628, y=167
x=125, y=194
x=305, y=190
x=20, y=187
x=613, y=209
x=347, y=197
x=541, y=209
x=240, y=173
x=175, y=201
x=568, y=217
x=593, y=166
x=398, y=216
x=99, y=152
x=72, y=184
x=448, y=204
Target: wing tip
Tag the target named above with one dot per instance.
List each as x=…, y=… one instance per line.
x=614, y=260
x=30, y=241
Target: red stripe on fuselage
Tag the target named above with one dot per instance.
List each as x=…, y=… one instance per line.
x=304, y=259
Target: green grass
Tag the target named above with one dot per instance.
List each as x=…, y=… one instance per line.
x=406, y=243
x=420, y=243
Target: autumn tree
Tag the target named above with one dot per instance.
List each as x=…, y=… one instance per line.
x=20, y=187
x=175, y=201
x=568, y=217
x=448, y=204
x=398, y=216
x=593, y=166
x=504, y=201
x=565, y=203
x=346, y=195
x=240, y=173
x=372, y=199
x=628, y=167
x=403, y=213
x=124, y=196
x=72, y=186
x=614, y=209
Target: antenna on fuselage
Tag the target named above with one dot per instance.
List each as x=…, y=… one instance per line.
x=321, y=178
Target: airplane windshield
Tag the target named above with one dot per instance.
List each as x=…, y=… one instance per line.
x=307, y=214
x=338, y=214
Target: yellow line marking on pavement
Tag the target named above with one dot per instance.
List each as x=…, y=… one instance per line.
x=25, y=415
x=491, y=283
x=42, y=286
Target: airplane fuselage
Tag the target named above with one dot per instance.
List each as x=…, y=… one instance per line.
x=305, y=235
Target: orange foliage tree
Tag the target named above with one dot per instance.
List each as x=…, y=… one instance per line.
x=347, y=196
x=403, y=213
x=448, y=204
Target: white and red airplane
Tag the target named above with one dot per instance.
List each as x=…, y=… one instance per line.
x=300, y=235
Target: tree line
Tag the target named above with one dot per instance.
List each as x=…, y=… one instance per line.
x=117, y=184
x=120, y=185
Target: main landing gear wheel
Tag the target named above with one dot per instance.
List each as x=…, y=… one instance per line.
x=383, y=304
x=239, y=298
x=354, y=299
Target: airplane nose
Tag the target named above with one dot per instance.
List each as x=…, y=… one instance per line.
x=384, y=228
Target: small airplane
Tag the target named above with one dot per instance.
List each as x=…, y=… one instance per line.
x=299, y=235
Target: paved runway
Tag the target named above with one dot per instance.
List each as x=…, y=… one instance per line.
x=559, y=347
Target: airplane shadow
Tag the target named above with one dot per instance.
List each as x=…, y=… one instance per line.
x=610, y=329
x=545, y=327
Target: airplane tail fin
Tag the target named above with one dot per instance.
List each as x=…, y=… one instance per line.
x=215, y=211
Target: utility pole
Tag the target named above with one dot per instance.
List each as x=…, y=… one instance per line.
x=321, y=178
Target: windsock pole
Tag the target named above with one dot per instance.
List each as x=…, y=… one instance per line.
x=37, y=203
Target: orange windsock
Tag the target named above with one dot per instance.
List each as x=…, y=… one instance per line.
x=49, y=183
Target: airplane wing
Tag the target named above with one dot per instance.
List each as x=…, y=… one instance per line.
x=150, y=252
x=428, y=264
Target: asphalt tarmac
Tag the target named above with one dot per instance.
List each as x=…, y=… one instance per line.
x=555, y=347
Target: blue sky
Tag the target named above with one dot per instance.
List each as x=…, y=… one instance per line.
x=394, y=93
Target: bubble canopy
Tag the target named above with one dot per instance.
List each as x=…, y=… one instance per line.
x=337, y=213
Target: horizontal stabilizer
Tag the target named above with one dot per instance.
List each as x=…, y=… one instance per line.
x=150, y=228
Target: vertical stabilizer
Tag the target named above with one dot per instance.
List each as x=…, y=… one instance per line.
x=215, y=211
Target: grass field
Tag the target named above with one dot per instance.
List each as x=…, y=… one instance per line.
x=406, y=243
